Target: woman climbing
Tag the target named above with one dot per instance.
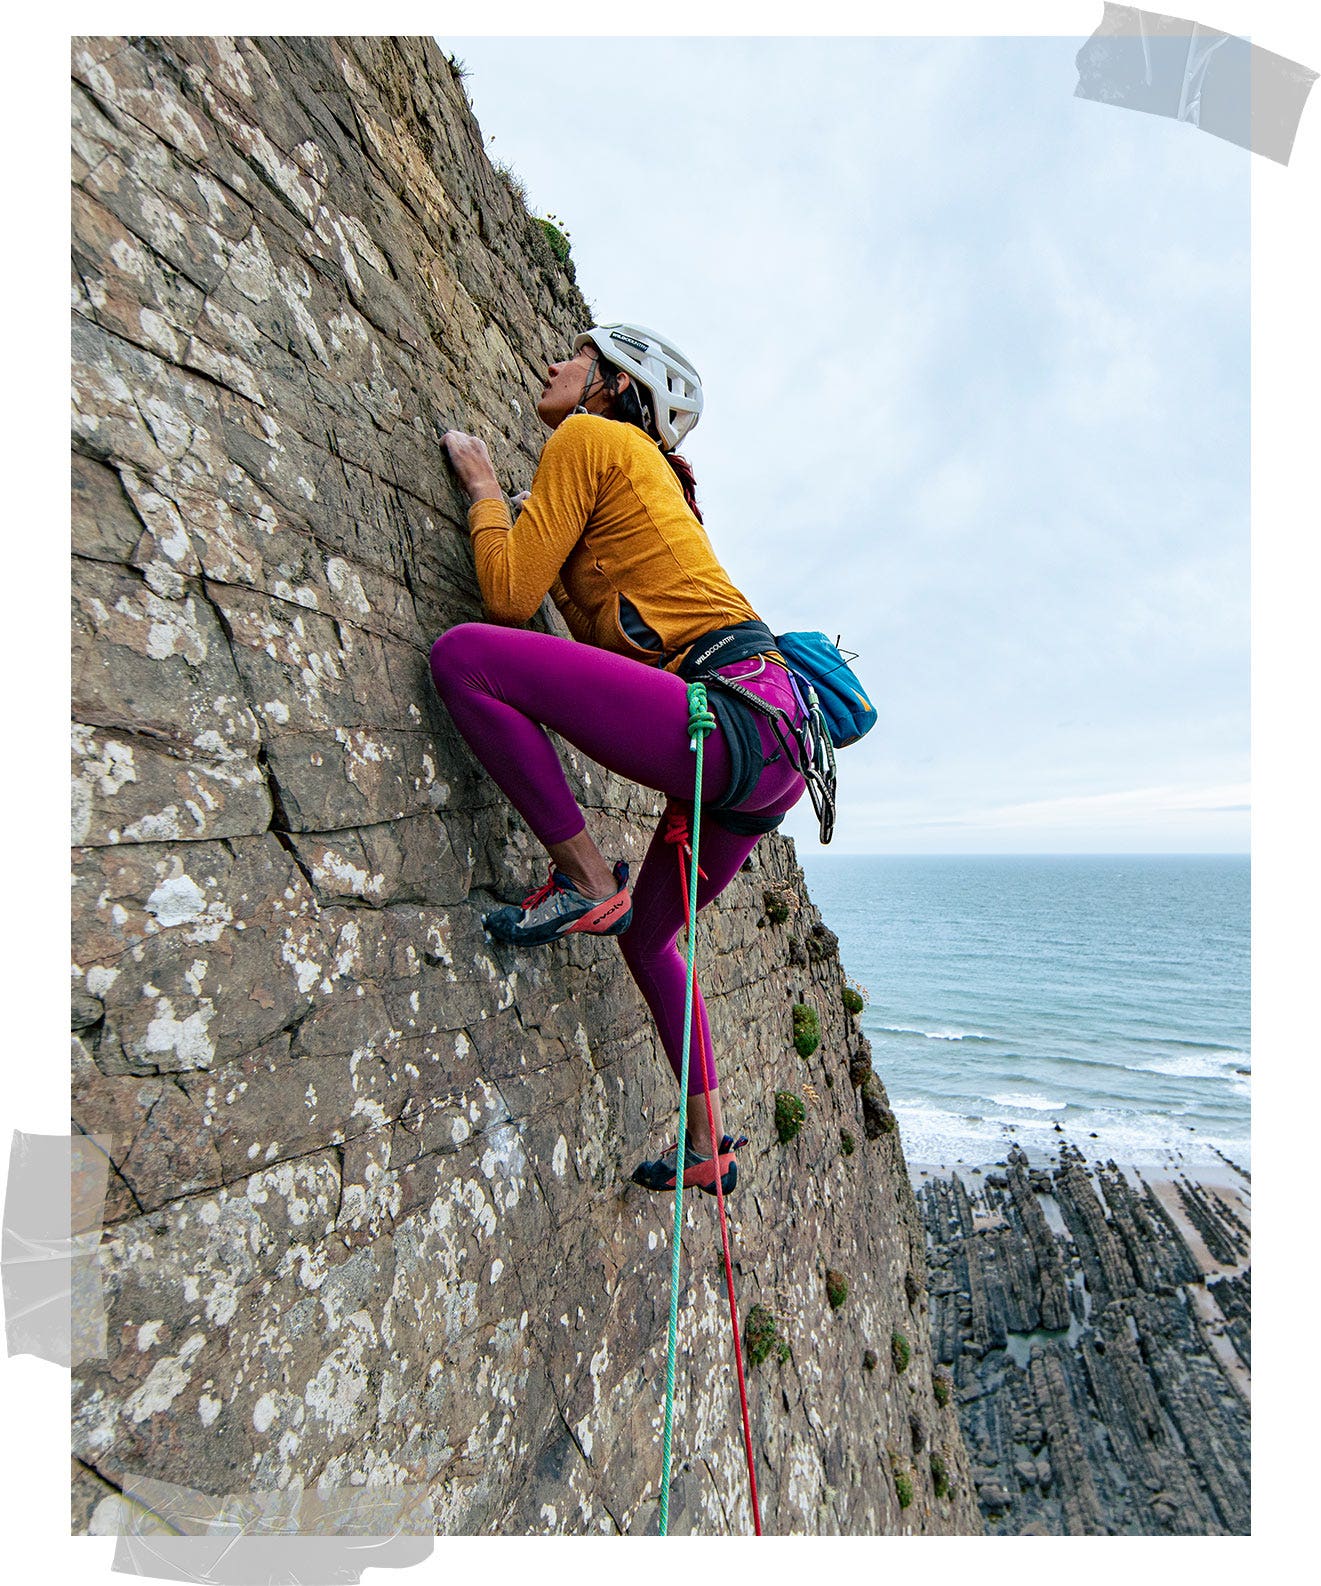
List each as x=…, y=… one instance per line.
x=612, y=531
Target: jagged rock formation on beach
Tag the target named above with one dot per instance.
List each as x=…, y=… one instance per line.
x=1221, y=1229
x=1091, y=1361
x=369, y=1219
x=1233, y=1296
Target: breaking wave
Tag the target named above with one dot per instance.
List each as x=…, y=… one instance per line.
x=935, y=1035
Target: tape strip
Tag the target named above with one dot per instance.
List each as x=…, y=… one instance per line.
x=1169, y=66
x=49, y=1252
x=169, y=1532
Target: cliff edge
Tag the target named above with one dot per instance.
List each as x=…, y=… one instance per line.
x=369, y=1221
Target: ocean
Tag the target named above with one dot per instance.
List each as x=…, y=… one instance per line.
x=1008, y=994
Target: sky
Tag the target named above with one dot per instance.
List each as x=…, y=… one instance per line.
x=976, y=362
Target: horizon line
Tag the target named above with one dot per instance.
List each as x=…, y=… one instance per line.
x=1037, y=853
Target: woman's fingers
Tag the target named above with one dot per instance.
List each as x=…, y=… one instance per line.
x=461, y=447
x=458, y=441
x=468, y=455
x=470, y=460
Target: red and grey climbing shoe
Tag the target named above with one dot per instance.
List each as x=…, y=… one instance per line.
x=558, y=909
x=699, y=1171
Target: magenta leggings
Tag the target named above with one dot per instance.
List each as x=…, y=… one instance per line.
x=505, y=686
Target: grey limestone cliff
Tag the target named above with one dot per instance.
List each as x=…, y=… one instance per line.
x=369, y=1218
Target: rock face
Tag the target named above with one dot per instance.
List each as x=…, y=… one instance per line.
x=370, y=1219
x=1096, y=1379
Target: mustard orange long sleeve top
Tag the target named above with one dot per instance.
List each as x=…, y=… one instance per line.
x=605, y=532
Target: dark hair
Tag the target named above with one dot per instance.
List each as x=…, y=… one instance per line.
x=627, y=407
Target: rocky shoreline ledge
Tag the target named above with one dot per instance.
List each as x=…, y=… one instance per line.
x=1094, y=1323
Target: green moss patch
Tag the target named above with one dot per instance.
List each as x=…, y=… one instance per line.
x=837, y=1288
x=780, y=903
x=807, y=1029
x=940, y=1476
x=900, y=1352
x=790, y=1112
x=761, y=1337
x=848, y=1143
x=559, y=243
x=758, y=1334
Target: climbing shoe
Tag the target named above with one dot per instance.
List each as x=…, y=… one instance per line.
x=698, y=1170
x=557, y=909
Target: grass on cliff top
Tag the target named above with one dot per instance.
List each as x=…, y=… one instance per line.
x=559, y=240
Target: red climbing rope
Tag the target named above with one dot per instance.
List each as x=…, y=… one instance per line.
x=676, y=832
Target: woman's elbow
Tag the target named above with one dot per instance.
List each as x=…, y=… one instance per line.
x=510, y=609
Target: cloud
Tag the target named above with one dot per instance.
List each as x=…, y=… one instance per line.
x=1130, y=806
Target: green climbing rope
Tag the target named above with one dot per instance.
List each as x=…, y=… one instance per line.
x=700, y=722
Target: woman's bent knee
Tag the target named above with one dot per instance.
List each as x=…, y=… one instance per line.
x=451, y=654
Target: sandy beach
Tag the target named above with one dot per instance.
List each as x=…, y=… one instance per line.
x=1218, y=1191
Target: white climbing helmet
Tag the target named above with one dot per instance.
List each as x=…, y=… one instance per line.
x=657, y=364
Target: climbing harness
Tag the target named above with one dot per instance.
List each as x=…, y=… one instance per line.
x=815, y=754
x=835, y=713
x=700, y=723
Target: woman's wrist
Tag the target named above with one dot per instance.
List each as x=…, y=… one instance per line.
x=485, y=490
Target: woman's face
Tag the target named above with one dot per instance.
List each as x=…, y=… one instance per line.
x=563, y=390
